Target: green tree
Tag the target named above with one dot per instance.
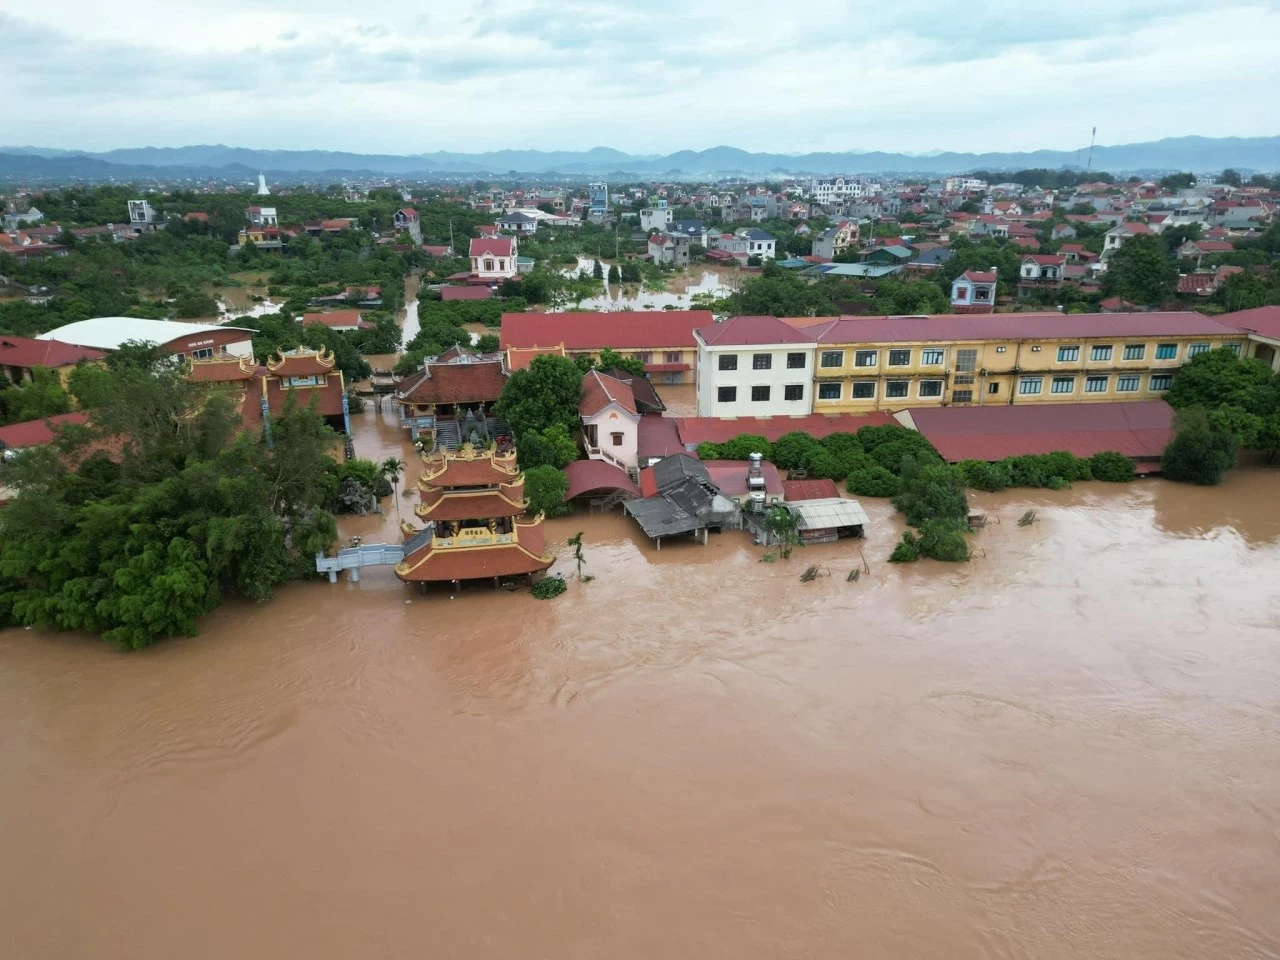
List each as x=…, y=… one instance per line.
x=930, y=492
x=541, y=395
x=1231, y=177
x=1178, y=181
x=393, y=469
x=1200, y=451
x=789, y=449
x=610, y=359
x=597, y=270
x=488, y=343
x=42, y=396
x=615, y=275
x=553, y=446
x=1221, y=378
x=545, y=488
x=1141, y=271
x=783, y=528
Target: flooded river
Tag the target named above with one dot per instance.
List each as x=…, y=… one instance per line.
x=681, y=288
x=1069, y=747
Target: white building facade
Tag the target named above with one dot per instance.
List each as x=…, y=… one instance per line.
x=754, y=367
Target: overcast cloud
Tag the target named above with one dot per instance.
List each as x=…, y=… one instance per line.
x=404, y=76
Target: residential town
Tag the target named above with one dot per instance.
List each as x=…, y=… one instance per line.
x=971, y=320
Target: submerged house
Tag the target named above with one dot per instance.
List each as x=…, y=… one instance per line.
x=684, y=501
x=828, y=519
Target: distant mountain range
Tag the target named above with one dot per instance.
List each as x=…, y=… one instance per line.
x=1179, y=153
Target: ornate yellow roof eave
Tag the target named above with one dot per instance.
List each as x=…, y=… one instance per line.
x=424, y=511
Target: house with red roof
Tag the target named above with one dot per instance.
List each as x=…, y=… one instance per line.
x=343, y=321
x=610, y=421
x=1115, y=238
x=20, y=355
x=1041, y=268
x=1199, y=249
x=493, y=258
x=663, y=341
x=974, y=291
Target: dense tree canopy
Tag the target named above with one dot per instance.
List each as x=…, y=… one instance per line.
x=1141, y=271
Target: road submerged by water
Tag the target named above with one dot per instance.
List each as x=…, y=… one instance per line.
x=1069, y=747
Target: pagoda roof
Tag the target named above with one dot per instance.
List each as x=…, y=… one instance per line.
x=526, y=553
x=300, y=362
x=469, y=468
x=224, y=368
x=459, y=380
x=507, y=501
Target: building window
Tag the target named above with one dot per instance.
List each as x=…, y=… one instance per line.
x=311, y=380
x=1100, y=353
x=897, y=389
x=1166, y=351
x=728, y=361
x=762, y=361
x=930, y=357
x=795, y=361
x=1161, y=381
x=617, y=439
x=966, y=361
x=1068, y=354
x=962, y=293
x=864, y=358
x=204, y=353
x=671, y=356
x=644, y=356
x=1126, y=384
x=1029, y=385
x=931, y=388
x=993, y=387
x=1135, y=351
x=1095, y=385
x=488, y=264
x=1233, y=347
x=1196, y=349
x=899, y=358
x=1062, y=385
x=759, y=394
x=727, y=394
x=864, y=389
x=962, y=396
x=793, y=391
x=828, y=391
x=832, y=358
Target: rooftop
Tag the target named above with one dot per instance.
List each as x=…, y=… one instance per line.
x=696, y=430
x=744, y=331
x=1021, y=326
x=108, y=333
x=600, y=391
x=622, y=330
x=1264, y=321
x=26, y=352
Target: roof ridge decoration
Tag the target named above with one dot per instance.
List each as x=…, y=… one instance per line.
x=322, y=356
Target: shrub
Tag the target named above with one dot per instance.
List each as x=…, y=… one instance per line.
x=907, y=550
x=930, y=492
x=843, y=445
x=873, y=481
x=981, y=475
x=1059, y=483
x=821, y=463
x=1028, y=471
x=545, y=488
x=550, y=447
x=1112, y=467
x=790, y=448
x=942, y=539
x=549, y=587
x=743, y=445
x=1067, y=466
x=1200, y=451
x=891, y=455
x=709, y=451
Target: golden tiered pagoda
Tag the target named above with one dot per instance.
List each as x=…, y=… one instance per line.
x=473, y=505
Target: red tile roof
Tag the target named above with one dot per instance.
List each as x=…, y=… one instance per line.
x=492, y=247
x=731, y=477
x=1139, y=429
x=507, y=501
x=1211, y=246
x=475, y=563
x=436, y=249
x=1046, y=259
x=695, y=430
x=466, y=293
x=599, y=391
x=338, y=318
x=468, y=382
x=623, y=330
x=455, y=470
x=657, y=436
x=26, y=352
x=1264, y=321
x=794, y=490
x=979, y=276
x=36, y=433
x=587, y=475
x=1197, y=283
x=751, y=331
x=1021, y=326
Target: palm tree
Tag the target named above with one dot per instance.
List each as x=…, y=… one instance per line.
x=391, y=468
x=781, y=522
x=576, y=542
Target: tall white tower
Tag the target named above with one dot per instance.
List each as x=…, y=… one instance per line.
x=262, y=186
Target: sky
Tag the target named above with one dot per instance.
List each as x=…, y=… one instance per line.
x=651, y=77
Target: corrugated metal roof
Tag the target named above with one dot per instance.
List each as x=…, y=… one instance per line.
x=828, y=513
x=695, y=430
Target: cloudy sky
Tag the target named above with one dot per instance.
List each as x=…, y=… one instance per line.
x=408, y=76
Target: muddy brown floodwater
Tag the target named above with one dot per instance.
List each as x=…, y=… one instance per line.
x=1069, y=747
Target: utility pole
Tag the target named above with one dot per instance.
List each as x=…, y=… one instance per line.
x=1092, y=137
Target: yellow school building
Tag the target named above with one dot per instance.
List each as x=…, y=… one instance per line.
x=887, y=363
